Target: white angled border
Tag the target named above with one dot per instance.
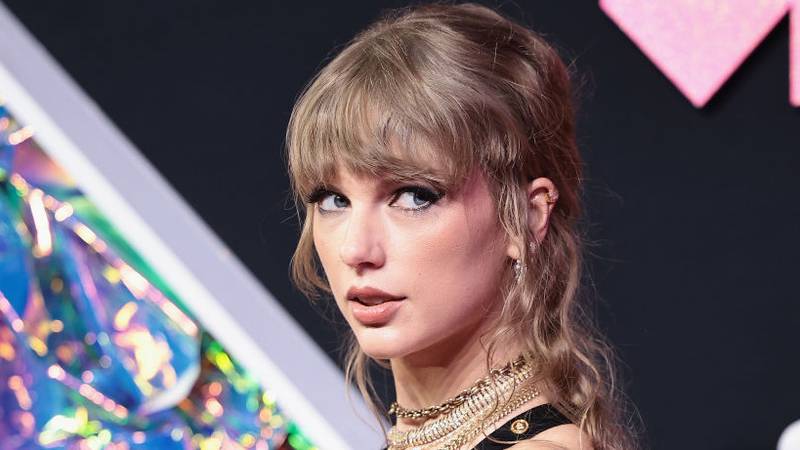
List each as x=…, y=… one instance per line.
x=169, y=235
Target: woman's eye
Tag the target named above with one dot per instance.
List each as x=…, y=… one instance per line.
x=332, y=201
x=415, y=198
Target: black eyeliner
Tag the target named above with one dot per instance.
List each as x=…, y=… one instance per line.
x=317, y=194
x=427, y=193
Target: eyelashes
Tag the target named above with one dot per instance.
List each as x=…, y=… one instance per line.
x=411, y=198
x=318, y=194
x=428, y=196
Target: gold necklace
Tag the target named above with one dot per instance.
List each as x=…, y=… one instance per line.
x=470, y=430
x=498, y=395
x=477, y=388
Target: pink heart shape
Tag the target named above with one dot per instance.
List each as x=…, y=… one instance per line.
x=698, y=44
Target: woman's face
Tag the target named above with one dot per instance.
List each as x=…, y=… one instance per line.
x=410, y=268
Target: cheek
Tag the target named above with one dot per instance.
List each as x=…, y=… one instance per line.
x=455, y=265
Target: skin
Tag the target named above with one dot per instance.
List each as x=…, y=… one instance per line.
x=446, y=257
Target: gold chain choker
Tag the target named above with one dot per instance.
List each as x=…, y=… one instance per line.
x=461, y=418
x=478, y=388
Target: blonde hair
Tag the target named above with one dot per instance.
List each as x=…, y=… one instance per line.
x=472, y=89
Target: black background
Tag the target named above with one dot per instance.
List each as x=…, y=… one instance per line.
x=692, y=212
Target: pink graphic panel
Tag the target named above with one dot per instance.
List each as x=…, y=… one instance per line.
x=699, y=44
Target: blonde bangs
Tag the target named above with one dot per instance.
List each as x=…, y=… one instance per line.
x=367, y=114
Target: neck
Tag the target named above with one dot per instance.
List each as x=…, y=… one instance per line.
x=442, y=371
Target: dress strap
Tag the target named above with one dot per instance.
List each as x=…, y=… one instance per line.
x=524, y=426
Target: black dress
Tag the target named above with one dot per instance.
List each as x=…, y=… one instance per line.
x=524, y=426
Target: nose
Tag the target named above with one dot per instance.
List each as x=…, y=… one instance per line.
x=362, y=246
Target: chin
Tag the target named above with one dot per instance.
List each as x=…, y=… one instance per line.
x=382, y=343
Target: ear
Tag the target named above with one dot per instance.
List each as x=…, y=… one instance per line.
x=541, y=195
x=542, y=198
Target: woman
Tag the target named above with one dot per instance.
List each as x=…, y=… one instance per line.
x=436, y=162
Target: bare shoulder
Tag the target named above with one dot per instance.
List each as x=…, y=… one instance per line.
x=562, y=437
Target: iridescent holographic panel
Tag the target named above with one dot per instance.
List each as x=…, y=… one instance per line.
x=96, y=351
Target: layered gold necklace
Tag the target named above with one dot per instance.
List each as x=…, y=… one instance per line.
x=454, y=423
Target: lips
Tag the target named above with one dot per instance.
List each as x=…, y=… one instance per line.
x=369, y=296
x=373, y=307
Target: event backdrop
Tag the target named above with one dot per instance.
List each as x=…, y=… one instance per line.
x=111, y=289
x=691, y=187
x=95, y=350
